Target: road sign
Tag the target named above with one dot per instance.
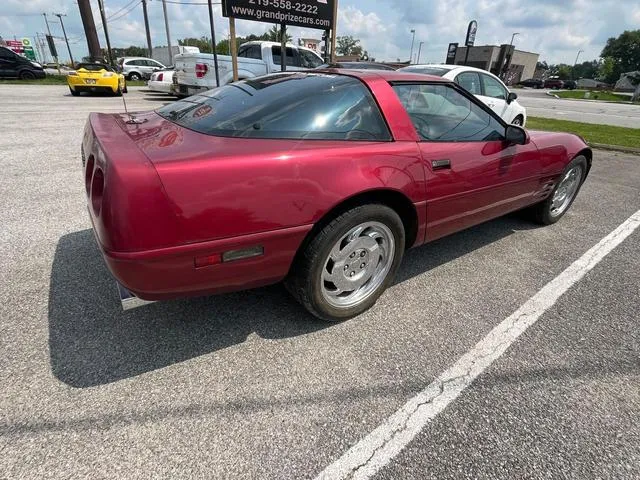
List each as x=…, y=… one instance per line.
x=302, y=13
x=52, y=46
x=451, y=53
x=471, y=33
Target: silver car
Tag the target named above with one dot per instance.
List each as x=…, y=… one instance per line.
x=137, y=68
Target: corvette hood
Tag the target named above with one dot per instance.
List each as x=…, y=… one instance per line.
x=542, y=138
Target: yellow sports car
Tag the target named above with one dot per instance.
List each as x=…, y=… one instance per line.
x=96, y=77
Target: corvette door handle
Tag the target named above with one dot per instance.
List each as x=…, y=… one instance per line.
x=441, y=164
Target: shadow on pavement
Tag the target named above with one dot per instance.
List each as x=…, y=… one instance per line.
x=93, y=342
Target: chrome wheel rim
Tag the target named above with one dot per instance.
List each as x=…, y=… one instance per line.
x=517, y=121
x=357, y=265
x=566, y=191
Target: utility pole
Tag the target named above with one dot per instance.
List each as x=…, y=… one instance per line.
x=89, y=29
x=146, y=27
x=166, y=25
x=213, y=43
x=60, y=15
x=106, y=31
x=419, y=52
x=55, y=56
x=412, y=42
x=334, y=32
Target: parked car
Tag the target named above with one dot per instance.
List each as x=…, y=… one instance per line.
x=569, y=85
x=484, y=85
x=161, y=81
x=359, y=66
x=138, y=68
x=13, y=65
x=322, y=179
x=196, y=72
x=554, y=83
x=532, y=83
x=96, y=78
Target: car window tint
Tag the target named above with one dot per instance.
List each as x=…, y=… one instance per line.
x=308, y=59
x=7, y=54
x=441, y=113
x=493, y=88
x=250, y=51
x=284, y=106
x=291, y=59
x=470, y=81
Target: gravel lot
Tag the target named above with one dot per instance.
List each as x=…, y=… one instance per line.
x=249, y=386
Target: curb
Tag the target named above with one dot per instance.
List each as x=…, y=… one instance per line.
x=615, y=148
x=552, y=95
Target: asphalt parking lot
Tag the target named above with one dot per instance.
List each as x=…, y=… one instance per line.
x=539, y=104
x=248, y=385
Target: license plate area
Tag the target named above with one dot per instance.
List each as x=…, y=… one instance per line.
x=90, y=81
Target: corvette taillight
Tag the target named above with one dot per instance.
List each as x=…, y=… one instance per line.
x=160, y=76
x=201, y=70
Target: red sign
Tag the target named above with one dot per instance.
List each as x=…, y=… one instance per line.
x=15, y=45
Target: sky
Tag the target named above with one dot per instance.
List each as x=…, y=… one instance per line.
x=556, y=29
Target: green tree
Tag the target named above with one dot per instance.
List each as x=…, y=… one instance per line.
x=586, y=69
x=624, y=51
x=273, y=35
x=203, y=43
x=607, y=71
x=347, y=45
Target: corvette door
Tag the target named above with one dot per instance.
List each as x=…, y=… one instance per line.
x=472, y=173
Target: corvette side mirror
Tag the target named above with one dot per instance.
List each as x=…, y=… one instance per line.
x=516, y=135
x=511, y=97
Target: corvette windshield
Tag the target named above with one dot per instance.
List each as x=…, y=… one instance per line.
x=284, y=106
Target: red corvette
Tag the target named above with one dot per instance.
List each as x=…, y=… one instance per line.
x=319, y=179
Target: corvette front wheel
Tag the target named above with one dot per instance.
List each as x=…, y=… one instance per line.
x=557, y=204
x=349, y=263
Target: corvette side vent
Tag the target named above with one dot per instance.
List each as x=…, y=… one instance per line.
x=546, y=190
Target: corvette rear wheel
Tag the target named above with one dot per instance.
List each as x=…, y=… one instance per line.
x=75, y=93
x=349, y=263
x=553, y=208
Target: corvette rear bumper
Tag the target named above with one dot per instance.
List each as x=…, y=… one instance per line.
x=170, y=273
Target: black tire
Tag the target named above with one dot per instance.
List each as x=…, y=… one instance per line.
x=519, y=121
x=75, y=93
x=304, y=281
x=126, y=90
x=118, y=92
x=542, y=212
x=26, y=75
x=135, y=76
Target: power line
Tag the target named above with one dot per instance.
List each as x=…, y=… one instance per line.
x=124, y=14
x=118, y=12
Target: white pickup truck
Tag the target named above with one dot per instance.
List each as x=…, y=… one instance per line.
x=195, y=72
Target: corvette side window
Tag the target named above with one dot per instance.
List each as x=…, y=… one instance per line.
x=440, y=113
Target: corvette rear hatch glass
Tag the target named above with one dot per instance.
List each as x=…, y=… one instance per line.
x=284, y=106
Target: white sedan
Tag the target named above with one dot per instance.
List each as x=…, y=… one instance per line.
x=484, y=85
x=161, y=81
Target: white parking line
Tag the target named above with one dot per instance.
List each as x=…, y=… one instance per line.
x=377, y=449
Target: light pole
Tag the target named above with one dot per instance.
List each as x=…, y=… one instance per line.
x=573, y=70
x=512, y=37
x=60, y=15
x=412, y=42
x=506, y=64
x=419, y=52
